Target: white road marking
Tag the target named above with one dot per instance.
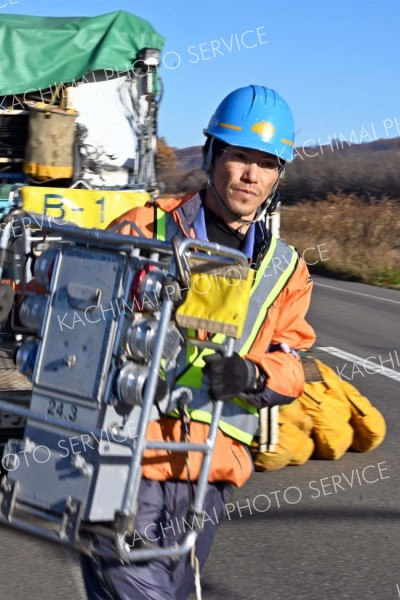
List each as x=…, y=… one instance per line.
x=363, y=362
x=332, y=287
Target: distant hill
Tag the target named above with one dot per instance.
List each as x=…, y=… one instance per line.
x=188, y=158
x=369, y=170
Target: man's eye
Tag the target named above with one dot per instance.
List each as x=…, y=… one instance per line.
x=239, y=157
x=269, y=165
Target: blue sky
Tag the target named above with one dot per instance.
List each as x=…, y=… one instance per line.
x=335, y=62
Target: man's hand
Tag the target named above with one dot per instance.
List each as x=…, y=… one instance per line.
x=229, y=376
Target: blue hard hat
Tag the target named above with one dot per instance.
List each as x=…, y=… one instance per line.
x=255, y=117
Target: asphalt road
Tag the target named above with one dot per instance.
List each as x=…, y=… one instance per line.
x=322, y=531
x=318, y=540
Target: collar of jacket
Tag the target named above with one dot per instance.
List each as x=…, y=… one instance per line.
x=184, y=210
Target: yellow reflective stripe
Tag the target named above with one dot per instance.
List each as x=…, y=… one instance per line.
x=194, y=375
x=249, y=407
x=266, y=261
x=231, y=430
x=261, y=315
x=229, y=126
x=161, y=224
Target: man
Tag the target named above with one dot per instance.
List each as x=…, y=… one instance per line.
x=250, y=139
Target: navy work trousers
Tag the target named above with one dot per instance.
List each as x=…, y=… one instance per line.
x=162, y=519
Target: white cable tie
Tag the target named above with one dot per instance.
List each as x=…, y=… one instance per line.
x=287, y=350
x=196, y=569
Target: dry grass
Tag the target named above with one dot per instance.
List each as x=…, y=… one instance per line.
x=357, y=240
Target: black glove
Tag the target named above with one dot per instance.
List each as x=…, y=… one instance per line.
x=230, y=376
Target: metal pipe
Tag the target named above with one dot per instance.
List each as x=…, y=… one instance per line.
x=178, y=446
x=133, y=481
x=156, y=553
x=212, y=435
x=237, y=256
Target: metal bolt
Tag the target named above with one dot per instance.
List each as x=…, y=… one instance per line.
x=80, y=464
x=70, y=360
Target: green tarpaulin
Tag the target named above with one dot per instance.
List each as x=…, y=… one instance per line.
x=38, y=52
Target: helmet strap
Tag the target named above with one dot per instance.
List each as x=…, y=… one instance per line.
x=208, y=156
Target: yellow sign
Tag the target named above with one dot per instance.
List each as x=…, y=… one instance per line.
x=85, y=208
x=217, y=300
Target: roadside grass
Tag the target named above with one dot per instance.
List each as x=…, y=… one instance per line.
x=347, y=237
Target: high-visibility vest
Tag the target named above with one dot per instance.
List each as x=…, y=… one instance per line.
x=239, y=419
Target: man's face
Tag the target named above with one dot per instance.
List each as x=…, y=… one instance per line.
x=244, y=179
